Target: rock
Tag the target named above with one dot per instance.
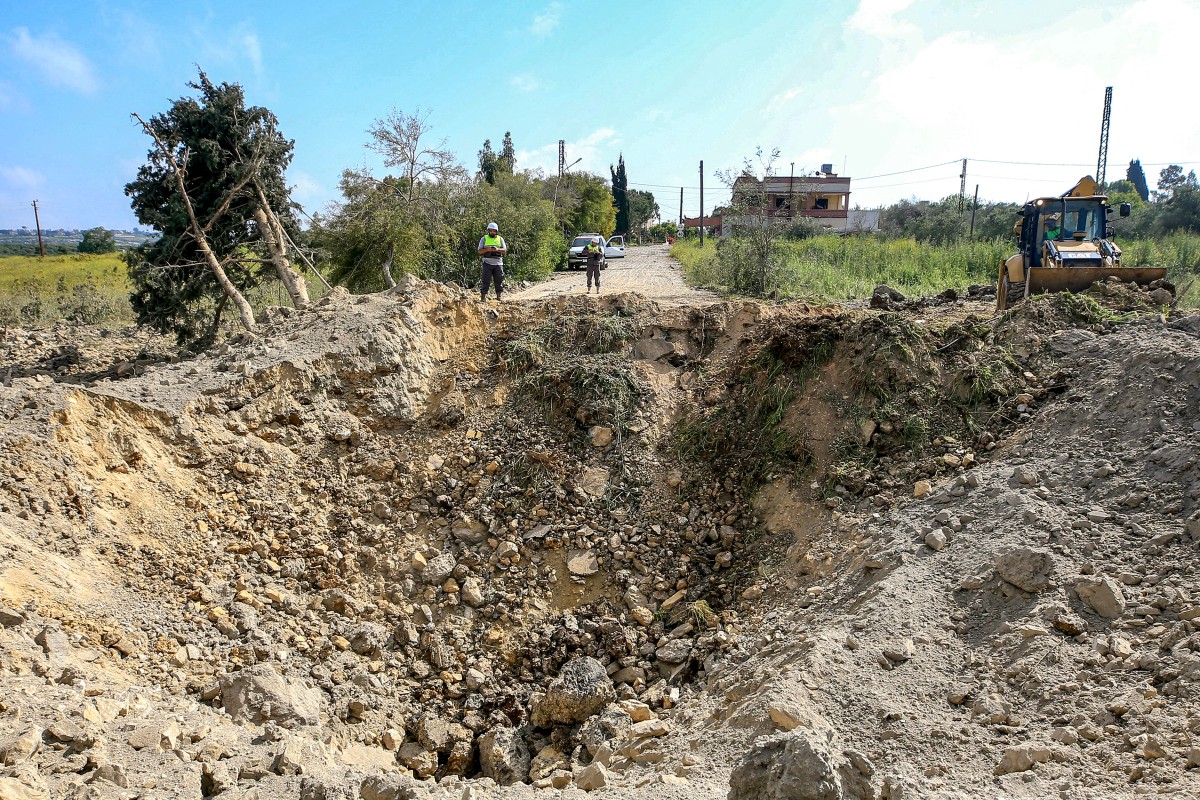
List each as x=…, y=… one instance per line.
x=1103, y=595
x=260, y=693
x=610, y=724
x=440, y=735
x=438, y=569
x=601, y=436
x=1026, y=569
x=19, y=746
x=593, y=776
x=548, y=760
x=472, y=593
x=789, y=715
x=581, y=689
x=422, y=762
x=1070, y=624
x=800, y=765
x=13, y=789
x=384, y=787
x=936, y=540
x=369, y=758
x=922, y=489
x=1026, y=476
x=583, y=563
x=1022, y=757
x=899, y=652
x=504, y=756
x=650, y=728
x=652, y=349
x=10, y=618
x=156, y=736
x=594, y=481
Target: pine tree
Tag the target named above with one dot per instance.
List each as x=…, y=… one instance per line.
x=1138, y=178
x=508, y=155
x=213, y=185
x=620, y=185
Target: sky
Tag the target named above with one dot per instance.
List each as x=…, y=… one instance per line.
x=893, y=93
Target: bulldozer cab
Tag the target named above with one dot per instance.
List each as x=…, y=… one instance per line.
x=1063, y=221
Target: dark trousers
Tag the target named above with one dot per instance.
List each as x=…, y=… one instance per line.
x=492, y=272
x=593, y=270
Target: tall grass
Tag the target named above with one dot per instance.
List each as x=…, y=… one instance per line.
x=78, y=288
x=851, y=267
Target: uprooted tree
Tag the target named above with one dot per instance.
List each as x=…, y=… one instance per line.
x=213, y=185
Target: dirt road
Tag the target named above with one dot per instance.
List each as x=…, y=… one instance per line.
x=649, y=271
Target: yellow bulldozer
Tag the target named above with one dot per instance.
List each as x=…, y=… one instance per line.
x=1066, y=246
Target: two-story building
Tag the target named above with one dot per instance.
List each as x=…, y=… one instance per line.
x=823, y=196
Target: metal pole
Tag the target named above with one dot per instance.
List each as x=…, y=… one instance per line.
x=681, y=211
x=38, y=224
x=792, y=192
x=962, y=188
x=702, y=204
x=974, y=206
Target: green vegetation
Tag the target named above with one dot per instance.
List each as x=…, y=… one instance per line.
x=850, y=266
x=79, y=288
x=98, y=240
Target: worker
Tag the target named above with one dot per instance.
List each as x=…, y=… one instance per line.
x=594, y=254
x=1052, y=230
x=492, y=248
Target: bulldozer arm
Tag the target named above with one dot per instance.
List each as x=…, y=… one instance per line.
x=1077, y=279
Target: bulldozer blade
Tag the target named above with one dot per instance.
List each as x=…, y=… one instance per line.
x=1077, y=279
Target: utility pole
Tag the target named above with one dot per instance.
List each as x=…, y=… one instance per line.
x=974, y=206
x=562, y=157
x=702, y=203
x=681, y=211
x=962, y=187
x=38, y=224
x=1102, y=160
x=792, y=192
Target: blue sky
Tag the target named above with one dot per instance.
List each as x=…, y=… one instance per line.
x=874, y=87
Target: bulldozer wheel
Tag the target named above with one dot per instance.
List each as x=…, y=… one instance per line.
x=1013, y=293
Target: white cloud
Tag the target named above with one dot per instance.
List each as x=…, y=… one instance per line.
x=878, y=18
x=21, y=177
x=595, y=152
x=938, y=104
x=544, y=23
x=525, y=82
x=227, y=47
x=59, y=61
x=779, y=101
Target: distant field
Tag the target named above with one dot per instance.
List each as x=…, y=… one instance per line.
x=81, y=288
x=842, y=268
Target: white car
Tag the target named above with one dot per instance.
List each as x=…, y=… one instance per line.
x=613, y=248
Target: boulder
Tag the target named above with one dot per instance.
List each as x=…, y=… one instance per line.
x=439, y=568
x=610, y=724
x=1025, y=568
x=1103, y=595
x=799, y=765
x=504, y=756
x=581, y=689
x=260, y=694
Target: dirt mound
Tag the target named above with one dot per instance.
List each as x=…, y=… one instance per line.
x=354, y=556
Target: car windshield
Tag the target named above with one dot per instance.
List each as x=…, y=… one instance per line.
x=580, y=241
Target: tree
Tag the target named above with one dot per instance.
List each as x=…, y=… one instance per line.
x=1138, y=177
x=492, y=164
x=1172, y=178
x=98, y=240
x=508, y=155
x=751, y=258
x=642, y=208
x=620, y=189
x=402, y=141
x=213, y=186
x=590, y=206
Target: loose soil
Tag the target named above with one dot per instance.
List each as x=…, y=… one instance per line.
x=920, y=551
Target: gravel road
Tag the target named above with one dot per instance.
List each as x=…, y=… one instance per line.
x=648, y=270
